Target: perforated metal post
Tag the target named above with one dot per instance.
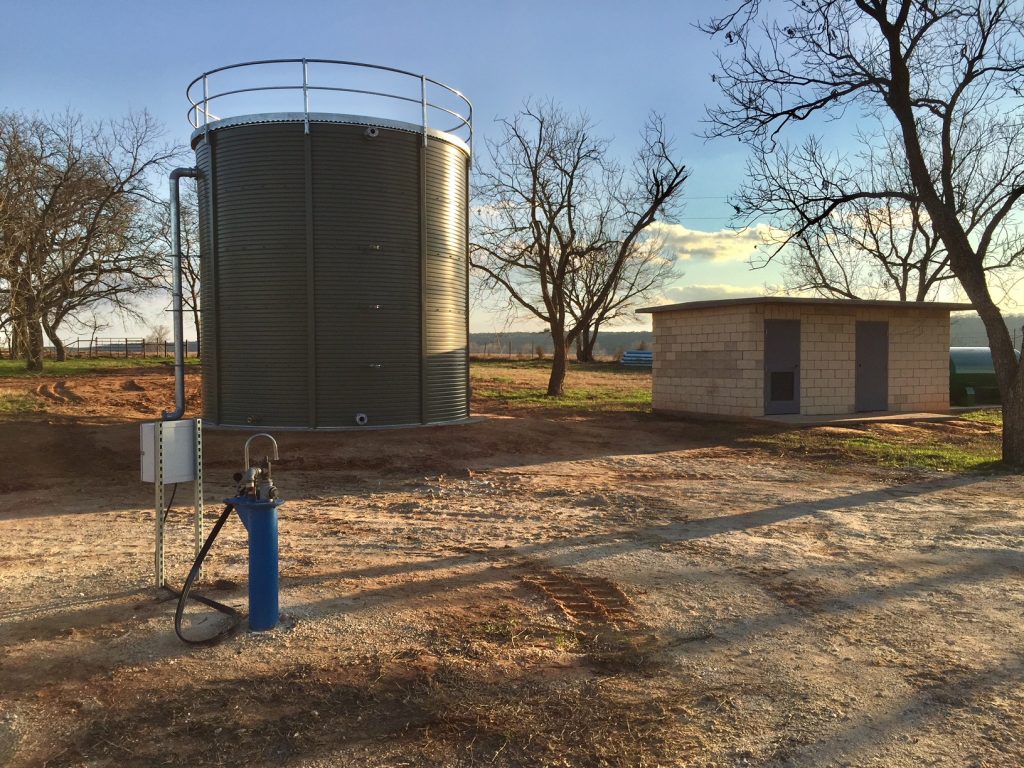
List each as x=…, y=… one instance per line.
x=197, y=488
x=161, y=462
x=158, y=504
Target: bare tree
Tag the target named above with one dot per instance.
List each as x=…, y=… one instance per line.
x=944, y=76
x=92, y=324
x=555, y=212
x=644, y=271
x=158, y=334
x=77, y=229
x=863, y=248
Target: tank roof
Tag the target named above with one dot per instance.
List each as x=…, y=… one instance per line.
x=324, y=117
x=808, y=300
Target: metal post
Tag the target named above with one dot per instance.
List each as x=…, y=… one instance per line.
x=305, y=92
x=197, y=487
x=206, y=97
x=158, y=503
x=423, y=101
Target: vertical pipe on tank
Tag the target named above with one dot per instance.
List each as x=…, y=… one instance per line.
x=179, y=328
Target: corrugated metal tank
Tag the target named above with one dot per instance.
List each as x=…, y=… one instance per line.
x=334, y=272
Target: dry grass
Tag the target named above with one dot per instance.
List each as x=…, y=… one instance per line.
x=519, y=385
x=18, y=402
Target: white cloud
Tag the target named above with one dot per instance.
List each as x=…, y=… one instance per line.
x=725, y=245
x=680, y=293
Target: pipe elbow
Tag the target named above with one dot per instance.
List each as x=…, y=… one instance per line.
x=177, y=173
x=174, y=415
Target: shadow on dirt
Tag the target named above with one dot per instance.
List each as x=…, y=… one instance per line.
x=104, y=453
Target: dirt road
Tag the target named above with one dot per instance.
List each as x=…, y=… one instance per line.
x=576, y=590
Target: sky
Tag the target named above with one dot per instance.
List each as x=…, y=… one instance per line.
x=615, y=60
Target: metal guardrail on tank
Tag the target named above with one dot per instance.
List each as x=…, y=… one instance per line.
x=200, y=116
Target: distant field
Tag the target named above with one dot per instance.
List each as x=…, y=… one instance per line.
x=79, y=365
x=523, y=384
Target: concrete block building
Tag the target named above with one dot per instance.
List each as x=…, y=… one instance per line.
x=786, y=355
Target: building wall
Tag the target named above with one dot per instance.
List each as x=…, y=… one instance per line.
x=709, y=361
x=919, y=360
x=712, y=360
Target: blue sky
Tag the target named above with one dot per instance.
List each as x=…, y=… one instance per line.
x=616, y=60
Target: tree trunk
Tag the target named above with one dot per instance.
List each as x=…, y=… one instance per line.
x=34, y=347
x=964, y=262
x=591, y=343
x=585, y=344
x=195, y=321
x=558, y=363
x=1009, y=370
x=59, y=351
x=584, y=347
x=19, y=337
x=1013, y=427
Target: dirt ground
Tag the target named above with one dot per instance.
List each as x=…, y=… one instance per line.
x=534, y=589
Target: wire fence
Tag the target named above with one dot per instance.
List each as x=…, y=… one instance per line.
x=115, y=347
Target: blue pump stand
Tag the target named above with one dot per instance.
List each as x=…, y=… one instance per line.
x=260, y=520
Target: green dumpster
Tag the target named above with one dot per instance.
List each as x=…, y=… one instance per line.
x=972, y=376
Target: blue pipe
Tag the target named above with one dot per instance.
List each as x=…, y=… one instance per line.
x=260, y=520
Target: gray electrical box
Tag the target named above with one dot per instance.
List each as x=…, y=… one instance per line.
x=174, y=444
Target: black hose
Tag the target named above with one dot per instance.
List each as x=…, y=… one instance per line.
x=186, y=591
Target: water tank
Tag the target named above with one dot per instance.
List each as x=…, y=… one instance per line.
x=334, y=247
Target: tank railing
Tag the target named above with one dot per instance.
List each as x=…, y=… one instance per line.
x=199, y=114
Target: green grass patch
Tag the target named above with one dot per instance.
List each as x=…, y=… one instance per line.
x=79, y=365
x=593, y=398
x=13, y=403
x=977, y=453
x=538, y=364
x=985, y=416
